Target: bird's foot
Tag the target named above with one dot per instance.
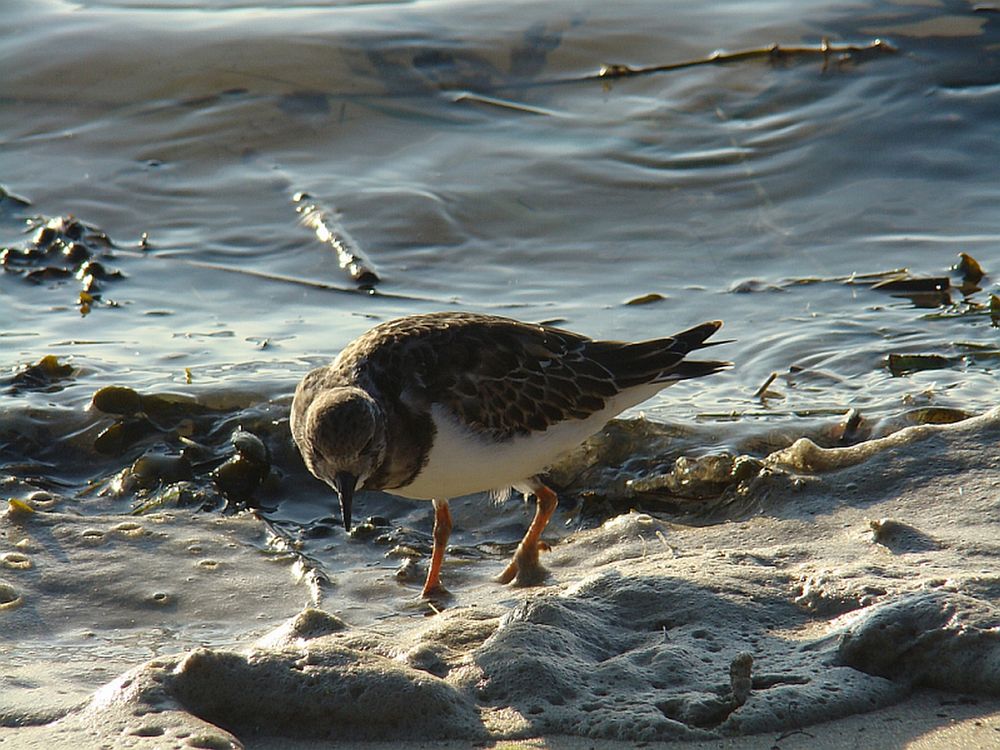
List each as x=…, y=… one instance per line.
x=434, y=592
x=525, y=569
x=437, y=599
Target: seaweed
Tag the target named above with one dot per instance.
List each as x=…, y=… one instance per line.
x=242, y=474
x=186, y=451
x=646, y=299
x=972, y=273
x=905, y=364
x=61, y=249
x=47, y=374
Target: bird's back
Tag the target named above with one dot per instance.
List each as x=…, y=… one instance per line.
x=504, y=377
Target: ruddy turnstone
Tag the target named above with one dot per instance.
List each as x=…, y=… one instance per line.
x=441, y=405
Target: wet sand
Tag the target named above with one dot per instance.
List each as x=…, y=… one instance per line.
x=859, y=600
x=927, y=721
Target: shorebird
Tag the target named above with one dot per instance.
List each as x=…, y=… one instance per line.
x=441, y=405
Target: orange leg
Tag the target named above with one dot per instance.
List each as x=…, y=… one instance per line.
x=524, y=569
x=442, y=530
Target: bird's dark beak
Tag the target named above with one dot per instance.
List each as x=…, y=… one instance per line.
x=344, y=484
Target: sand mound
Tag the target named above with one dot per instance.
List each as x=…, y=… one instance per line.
x=934, y=639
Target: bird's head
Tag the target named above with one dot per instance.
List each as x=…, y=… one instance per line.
x=341, y=434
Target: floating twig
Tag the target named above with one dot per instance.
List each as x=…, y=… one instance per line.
x=470, y=96
x=772, y=52
x=329, y=231
x=281, y=278
x=847, y=431
x=276, y=277
x=767, y=384
x=868, y=279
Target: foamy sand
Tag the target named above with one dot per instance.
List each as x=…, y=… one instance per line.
x=855, y=608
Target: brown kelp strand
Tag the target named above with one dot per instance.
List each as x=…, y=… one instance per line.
x=931, y=292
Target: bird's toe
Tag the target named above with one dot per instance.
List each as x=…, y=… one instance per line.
x=524, y=569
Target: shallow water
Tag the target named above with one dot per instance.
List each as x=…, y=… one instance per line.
x=464, y=152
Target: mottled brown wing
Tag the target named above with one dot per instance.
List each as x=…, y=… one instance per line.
x=525, y=378
x=507, y=378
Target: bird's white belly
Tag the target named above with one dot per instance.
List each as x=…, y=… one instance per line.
x=463, y=462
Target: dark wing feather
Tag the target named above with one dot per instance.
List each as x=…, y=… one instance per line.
x=506, y=378
x=658, y=360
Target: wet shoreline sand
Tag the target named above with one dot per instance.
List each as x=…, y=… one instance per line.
x=867, y=585
x=927, y=721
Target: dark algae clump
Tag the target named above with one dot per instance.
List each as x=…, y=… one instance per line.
x=64, y=251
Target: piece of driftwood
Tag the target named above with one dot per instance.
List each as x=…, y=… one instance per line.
x=759, y=393
x=329, y=231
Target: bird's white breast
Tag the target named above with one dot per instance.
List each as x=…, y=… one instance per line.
x=462, y=461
